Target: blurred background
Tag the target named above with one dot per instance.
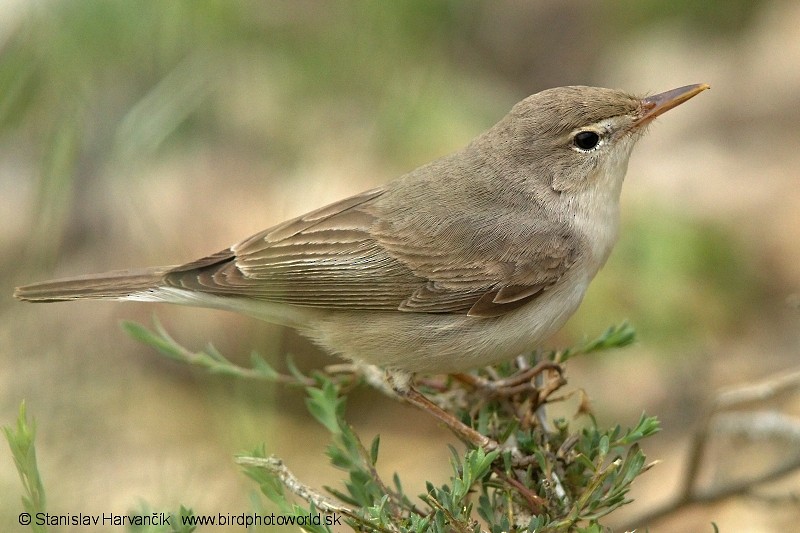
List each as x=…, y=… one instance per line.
x=146, y=133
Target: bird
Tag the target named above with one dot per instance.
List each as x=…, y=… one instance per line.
x=466, y=261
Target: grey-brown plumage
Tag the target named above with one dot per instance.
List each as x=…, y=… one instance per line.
x=464, y=261
x=108, y=285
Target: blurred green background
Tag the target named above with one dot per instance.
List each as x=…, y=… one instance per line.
x=143, y=133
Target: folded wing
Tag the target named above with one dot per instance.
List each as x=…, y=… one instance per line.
x=346, y=256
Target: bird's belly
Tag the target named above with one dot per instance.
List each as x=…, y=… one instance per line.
x=443, y=343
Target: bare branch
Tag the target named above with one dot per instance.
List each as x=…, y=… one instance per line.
x=756, y=425
x=275, y=466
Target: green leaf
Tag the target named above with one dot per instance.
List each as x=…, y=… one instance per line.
x=161, y=341
x=325, y=405
x=262, y=366
x=613, y=337
x=373, y=450
x=22, y=442
x=603, y=446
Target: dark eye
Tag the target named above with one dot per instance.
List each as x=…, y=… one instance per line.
x=586, y=140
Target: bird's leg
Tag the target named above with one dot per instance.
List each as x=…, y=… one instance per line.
x=401, y=385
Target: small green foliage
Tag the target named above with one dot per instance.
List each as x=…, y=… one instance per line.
x=211, y=359
x=326, y=406
x=545, y=477
x=180, y=522
x=160, y=339
x=614, y=337
x=22, y=442
x=539, y=476
x=542, y=479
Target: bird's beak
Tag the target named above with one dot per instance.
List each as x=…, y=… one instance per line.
x=655, y=105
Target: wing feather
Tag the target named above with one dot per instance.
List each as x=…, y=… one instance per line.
x=347, y=256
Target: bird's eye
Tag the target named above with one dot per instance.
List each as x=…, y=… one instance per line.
x=586, y=140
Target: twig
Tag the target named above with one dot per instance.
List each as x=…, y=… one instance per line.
x=515, y=384
x=535, y=502
x=459, y=428
x=759, y=424
x=715, y=494
x=758, y=392
x=728, y=399
x=275, y=466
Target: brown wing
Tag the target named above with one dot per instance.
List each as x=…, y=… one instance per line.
x=344, y=256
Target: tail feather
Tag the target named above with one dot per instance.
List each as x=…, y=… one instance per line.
x=115, y=285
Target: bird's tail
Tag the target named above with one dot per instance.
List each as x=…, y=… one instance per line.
x=114, y=285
